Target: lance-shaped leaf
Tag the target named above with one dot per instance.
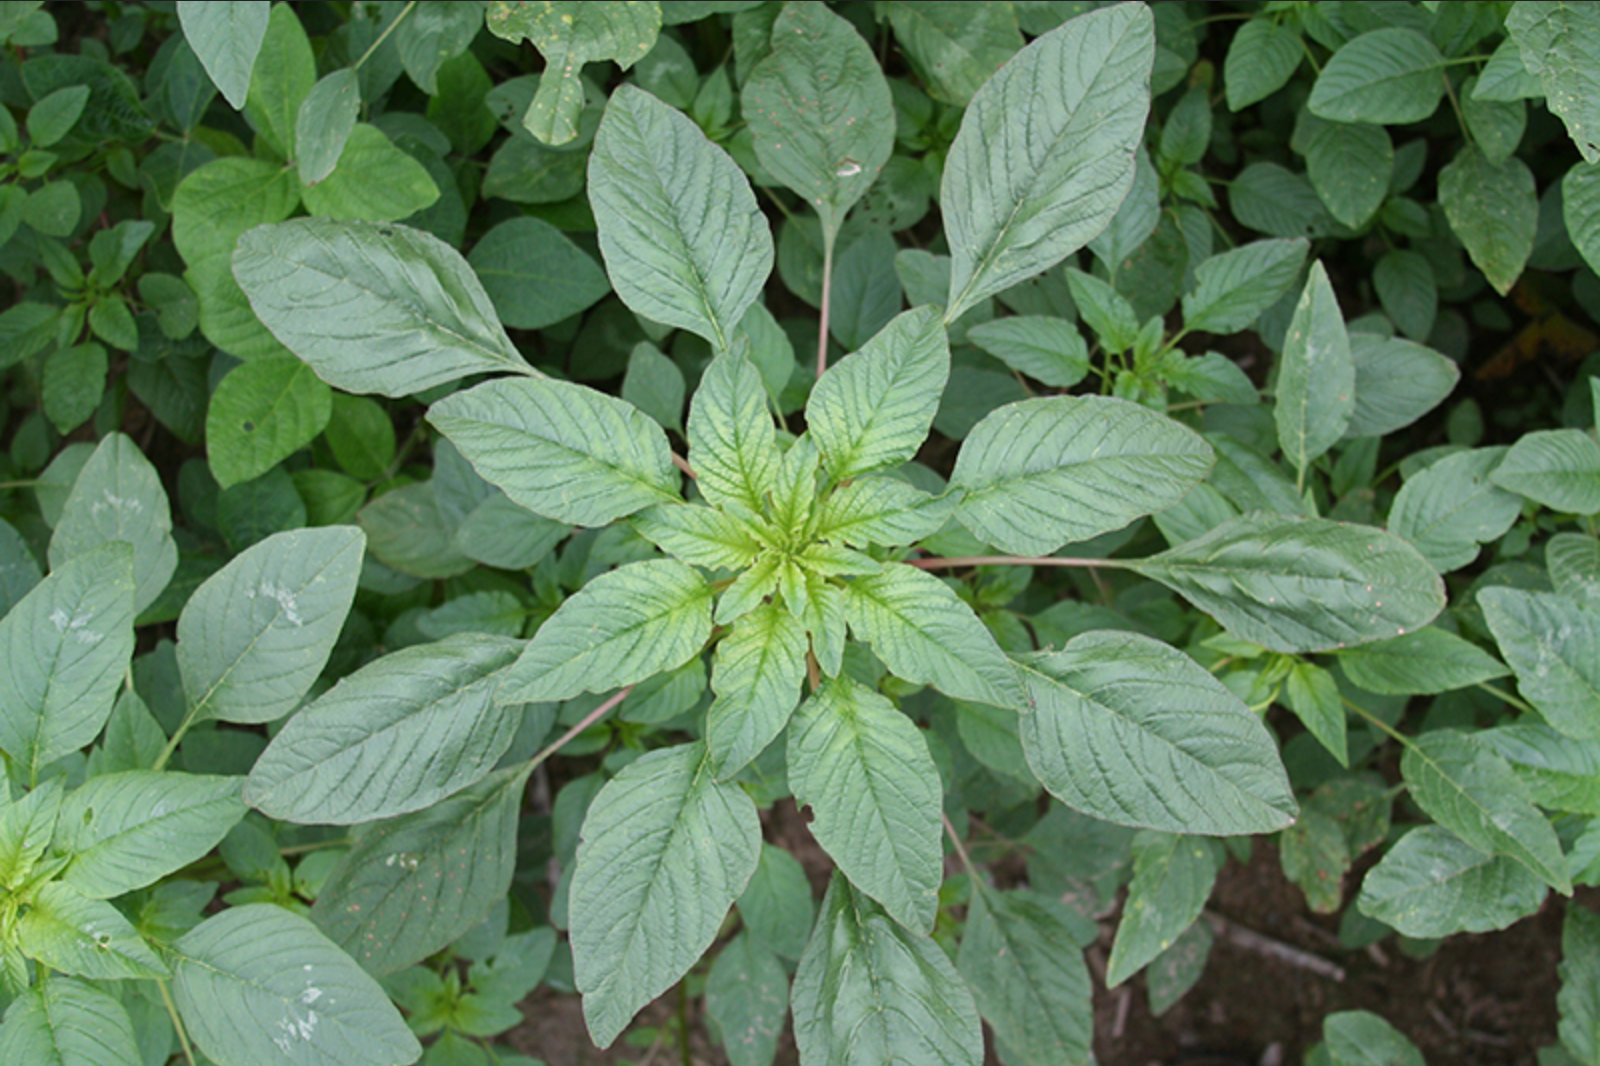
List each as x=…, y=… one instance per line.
x=1494, y=209
x=923, y=633
x=1390, y=76
x=1129, y=730
x=127, y=830
x=561, y=450
x=226, y=38
x=1172, y=879
x=883, y=511
x=67, y=931
x=1559, y=468
x=260, y=984
x=1027, y=973
x=1424, y=663
x=1316, y=377
x=683, y=240
x=64, y=650
x=66, y=1022
x=119, y=496
x=26, y=826
x=756, y=675
x=1232, y=289
x=666, y=850
x=413, y=884
x=732, y=440
x=1552, y=643
x=820, y=110
x=1262, y=57
x=1560, y=45
x=323, y=126
x=372, y=307
x=620, y=628
x=873, y=409
x=699, y=535
x=1452, y=507
x=1432, y=884
x=1041, y=473
x=396, y=736
x=1302, y=584
x=1045, y=153
x=1470, y=790
x=847, y=1015
x=865, y=772
x=253, y=638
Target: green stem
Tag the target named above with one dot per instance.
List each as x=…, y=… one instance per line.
x=177, y=1022
x=963, y=562
x=1393, y=733
x=384, y=36
x=1521, y=705
x=172, y=745
x=827, y=299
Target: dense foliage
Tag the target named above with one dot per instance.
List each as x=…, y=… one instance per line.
x=434, y=533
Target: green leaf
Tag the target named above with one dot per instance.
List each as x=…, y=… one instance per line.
x=1560, y=44
x=1049, y=350
x=1212, y=376
x=119, y=496
x=747, y=1001
x=1397, y=382
x=1559, y=468
x=732, y=441
x=655, y=385
x=259, y=984
x=1026, y=971
x=407, y=530
x=1580, y=205
x=873, y=409
x=847, y=1014
x=1361, y=1038
x=1494, y=209
x=1172, y=879
x=1451, y=507
x=620, y=628
x=53, y=116
x=374, y=181
x=1574, y=563
x=956, y=47
x=1316, y=377
x=1497, y=126
x=924, y=634
x=434, y=34
x=127, y=830
x=217, y=203
x=1409, y=293
x=776, y=907
x=67, y=931
x=326, y=119
x=73, y=382
x=284, y=73
x=1313, y=695
x=396, y=736
x=568, y=35
x=1101, y=734
x=1175, y=971
x=372, y=307
x=1579, y=998
x=1232, y=289
x=1553, y=645
x=1505, y=77
x=256, y=634
x=1560, y=774
x=1262, y=57
x=262, y=413
x=820, y=110
x=1424, y=663
x=1465, y=786
x=64, y=651
x=1041, y=473
x=66, y=1022
x=1431, y=884
x=700, y=536
x=413, y=885
x=756, y=675
x=499, y=533
x=1044, y=156
x=883, y=511
x=1390, y=77
x=1350, y=164
x=535, y=275
x=227, y=38
x=682, y=237
x=864, y=770
x=666, y=850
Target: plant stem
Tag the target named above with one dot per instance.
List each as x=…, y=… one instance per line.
x=961, y=851
x=962, y=562
x=384, y=36
x=683, y=1024
x=1393, y=733
x=682, y=464
x=588, y=720
x=177, y=1022
x=1521, y=705
x=172, y=745
x=827, y=298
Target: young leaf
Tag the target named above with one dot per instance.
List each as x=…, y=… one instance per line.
x=845, y=1014
x=1041, y=473
x=1466, y=787
x=1316, y=378
x=1390, y=76
x=127, y=830
x=372, y=307
x=666, y=850
x=260, y=414
x=1172, y=879
x=227, y=38
x=1494, y=209
x=396, y=736
x=1232, y=289
x=323, y=126
x=26, y=826
x=620, y=628
x=1451, y=507
x=756, y=675
x=924, y=634
x=1397, y=382
x=1432, y=884
x=1302, y=584
x=1361, y=1038
x=1559, y=468
x=698, y=535
x=1103, y=736
x=258, y=983
x=64, y=650
x=1424, y=663
x=1027, y=973
x=1044, y=156
x=1553, y=645
x=561, y=450
x=67, y=1022
x=414, y=884
x=256, y=634
x=1313, y=695
x=883, y=511
x=1262, y=57
x=873, y=409
x=732, y=441
x=67, y=931
x=682, y=237
x=820, y=110
x=864, y=770
x=1579, y=998
x=1560, y=44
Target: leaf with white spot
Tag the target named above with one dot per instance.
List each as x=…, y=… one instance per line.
x=119, y=496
